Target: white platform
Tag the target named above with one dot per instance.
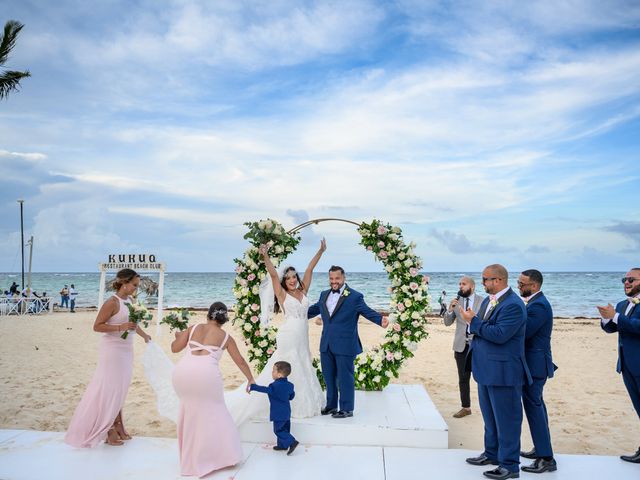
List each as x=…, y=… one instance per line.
x=31, y=455
x=399, y=416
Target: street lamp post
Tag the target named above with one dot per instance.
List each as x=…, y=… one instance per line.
x=21, y=202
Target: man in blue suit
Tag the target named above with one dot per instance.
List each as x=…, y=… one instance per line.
x=537, y=351
x=500, y=369
x=625, y=319
x=340, y=307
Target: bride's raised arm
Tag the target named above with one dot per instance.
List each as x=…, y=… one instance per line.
x=273, y=273
x=308, y=273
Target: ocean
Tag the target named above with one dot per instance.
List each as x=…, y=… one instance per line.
x=572, y=294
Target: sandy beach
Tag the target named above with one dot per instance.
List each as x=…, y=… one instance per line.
x=46, y=362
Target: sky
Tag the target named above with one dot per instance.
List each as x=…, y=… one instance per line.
x=490, y=132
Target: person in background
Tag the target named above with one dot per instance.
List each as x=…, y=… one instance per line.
x=73, y=294
x=625, y=319
x=13, y=289
x=465, y=300
x=64, y=297
x=442, y=300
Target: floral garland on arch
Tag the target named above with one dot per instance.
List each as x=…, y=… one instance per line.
x=409, y=298
x=250, y=271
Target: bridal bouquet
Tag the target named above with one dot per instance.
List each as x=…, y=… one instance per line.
x=178, y=320
x=137, y=313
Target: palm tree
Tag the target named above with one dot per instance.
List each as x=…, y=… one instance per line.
x=9, y=79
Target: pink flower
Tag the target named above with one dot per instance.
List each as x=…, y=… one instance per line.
x=381, y=244
x=255, y=307
x=369, y=248
x=251, y=277
x=381, y=230
x=255, y=319
x=242, y=282
x=239, y=269
x=383, y=254
x=401, y=307
x=269, y=351
x=413, y=286
x=389, y=356
x=413, y=271
x=396, y=327
x=425, y=279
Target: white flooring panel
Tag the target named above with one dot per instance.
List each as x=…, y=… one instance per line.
x=31, y=455
x=399, y=416
x=421, y=464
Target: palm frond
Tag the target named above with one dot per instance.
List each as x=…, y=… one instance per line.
x=10, y=81
x=11, y=30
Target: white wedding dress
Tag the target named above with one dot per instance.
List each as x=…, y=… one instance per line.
x=292, y=345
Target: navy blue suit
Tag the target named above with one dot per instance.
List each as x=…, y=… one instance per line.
x=280, y=394
x=340, y=344
x=628, y=329
x=537, y=351
x=500, y=369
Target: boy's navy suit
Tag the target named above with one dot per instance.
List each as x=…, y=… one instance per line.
x=280, y=394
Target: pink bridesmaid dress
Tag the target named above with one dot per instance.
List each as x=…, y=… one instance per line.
x=107, y=391
x=208, y=439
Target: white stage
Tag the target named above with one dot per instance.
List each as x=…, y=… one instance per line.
x=400, y=416
x=30, y=455
x=396, y=434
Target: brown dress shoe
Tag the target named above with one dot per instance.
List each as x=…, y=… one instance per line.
x=462, y=413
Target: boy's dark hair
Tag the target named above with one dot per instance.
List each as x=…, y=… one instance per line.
x=336, y=268
x=283, y=368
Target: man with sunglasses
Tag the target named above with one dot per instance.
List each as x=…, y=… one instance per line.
x=500, y=369
x=537, y=351
x=625, y=319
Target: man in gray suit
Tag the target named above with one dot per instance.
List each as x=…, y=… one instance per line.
x=466, y=300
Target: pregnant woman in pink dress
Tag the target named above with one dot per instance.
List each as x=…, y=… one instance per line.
x=98, y=416
x=207, y=437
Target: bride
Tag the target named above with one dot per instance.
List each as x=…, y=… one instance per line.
x=292, y=345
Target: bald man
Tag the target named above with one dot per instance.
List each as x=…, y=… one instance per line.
x=466, y=299
x=500, y=370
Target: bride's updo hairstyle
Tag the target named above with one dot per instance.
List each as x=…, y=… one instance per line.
x=124, y=276
x=218, y=312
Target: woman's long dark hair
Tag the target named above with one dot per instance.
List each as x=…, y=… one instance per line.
x=283, y=284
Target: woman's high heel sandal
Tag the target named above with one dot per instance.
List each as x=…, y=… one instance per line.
x=121, y=431
x=113, y=438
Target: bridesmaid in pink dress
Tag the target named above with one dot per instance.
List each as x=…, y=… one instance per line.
x=98, y=416
x=208, y=439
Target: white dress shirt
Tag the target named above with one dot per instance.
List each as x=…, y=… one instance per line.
x=332, y=299
x=498, y=295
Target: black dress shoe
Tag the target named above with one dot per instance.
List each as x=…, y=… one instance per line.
x=279, y=449
x=481, y=460
x=328, y=411
x=293, y=447
x=501, y=473
x=342, y=414
x=540, y=466
x=531, y=454
x=635, y=458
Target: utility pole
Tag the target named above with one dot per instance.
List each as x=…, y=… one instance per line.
x=30, y=242
x=21, y=202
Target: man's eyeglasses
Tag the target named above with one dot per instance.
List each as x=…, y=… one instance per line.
x=485, y=279
x=630, y=279
x=521, y=284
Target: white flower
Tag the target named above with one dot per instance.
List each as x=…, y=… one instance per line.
x=395, y=337
x=272, y=334
x=408, y=303
x=397, y=355
x=389, y=268
x=255, y=290
x=361, y=376
x=388, y=374
x=247, y=327
x=404, y=316
x=377, y=379
x=263, y=343
x=279, y=249
x=415, y=315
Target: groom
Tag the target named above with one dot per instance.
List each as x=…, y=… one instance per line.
x=340, y=308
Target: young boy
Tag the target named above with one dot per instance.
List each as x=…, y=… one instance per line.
x=280, y=394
